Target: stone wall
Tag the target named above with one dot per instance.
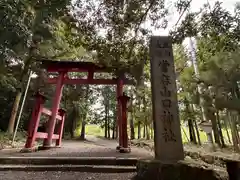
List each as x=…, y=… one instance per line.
x=184, y=170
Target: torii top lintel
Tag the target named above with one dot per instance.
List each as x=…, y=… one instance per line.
x=73, y=66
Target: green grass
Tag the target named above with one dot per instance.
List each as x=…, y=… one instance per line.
x=203, y=135
x=91, y=129
x=95, y=130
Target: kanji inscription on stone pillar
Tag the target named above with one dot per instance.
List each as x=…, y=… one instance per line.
x=167, y=131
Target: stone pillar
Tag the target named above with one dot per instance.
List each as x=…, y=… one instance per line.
x=167, y=131
x=233, y=169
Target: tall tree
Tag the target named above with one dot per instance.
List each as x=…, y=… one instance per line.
x=33, y=19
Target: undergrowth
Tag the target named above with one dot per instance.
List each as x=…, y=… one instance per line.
x=6, y=139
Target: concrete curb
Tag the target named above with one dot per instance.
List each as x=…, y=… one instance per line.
x=79, y=168
x=69, y=160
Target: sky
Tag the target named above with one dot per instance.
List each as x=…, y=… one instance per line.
x=195, y=6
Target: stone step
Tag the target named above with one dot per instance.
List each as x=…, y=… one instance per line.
x=70, y=161
x=78, y=168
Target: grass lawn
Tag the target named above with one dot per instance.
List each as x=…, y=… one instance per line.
x=92, y=129
x=95, y=130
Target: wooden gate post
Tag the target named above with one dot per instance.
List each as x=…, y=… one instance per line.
x=60, y=127
x=55, y=106
x=119, y=111
x=124, y=100
x=35, y=119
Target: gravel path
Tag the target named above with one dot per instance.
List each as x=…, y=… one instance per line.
x=9, y=175
x=93, y=147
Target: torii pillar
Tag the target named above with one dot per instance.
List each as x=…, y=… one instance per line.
x=125, y=146
x=34, y=122
x=119, y=112
x=55, y=107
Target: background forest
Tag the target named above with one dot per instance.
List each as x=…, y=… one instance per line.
x=114, y=33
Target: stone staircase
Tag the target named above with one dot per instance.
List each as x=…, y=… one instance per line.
x=80, y=164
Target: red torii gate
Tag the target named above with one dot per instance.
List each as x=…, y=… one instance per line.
x=62, y=68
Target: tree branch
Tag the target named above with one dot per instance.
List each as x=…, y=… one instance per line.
x=137, y=28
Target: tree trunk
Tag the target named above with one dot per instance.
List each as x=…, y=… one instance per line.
x=236, y=127
x=108, y=120
x=145, y=117
x=12, y=119
x=147, y=133
x=212, y=117
x=109, y=131
x=215, y=131
x=151, y=128
x=72, y=127
x=190, y=124
x=71, y=122
x=183, y=130
x=114, y=133
x=132, y=133
x=108, y=126
x=144, y=131
x=132, y=129
x=132, y=125
x=226, y=127
x=116, y=127
x=113, y=129
x=27, y=63
x=233, y=131
x=220, y=130
x=105, y=127
x=139, y=130
x=82, y=136
x=197, y=131
x=196, y=126
x=191, y=131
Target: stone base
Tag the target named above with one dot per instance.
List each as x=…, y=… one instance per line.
x=183, y=170
x=29, y=150
x=124, y=150
x=118, y=148
x=47, y=147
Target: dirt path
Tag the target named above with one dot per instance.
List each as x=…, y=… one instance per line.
x=93, y=147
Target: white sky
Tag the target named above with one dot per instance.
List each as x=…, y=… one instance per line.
x=195, y=6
